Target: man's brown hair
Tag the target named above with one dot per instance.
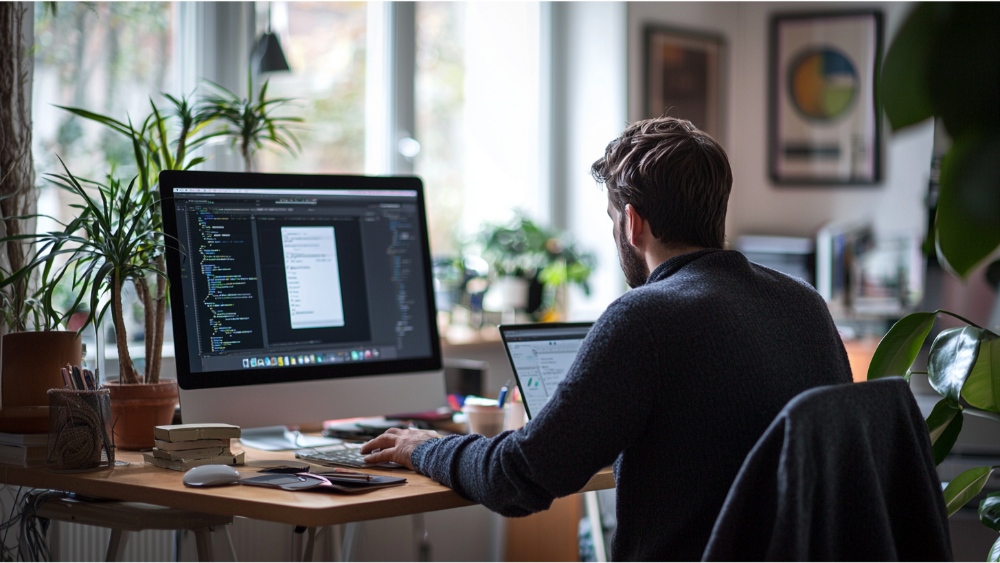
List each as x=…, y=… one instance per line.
x=675, y=176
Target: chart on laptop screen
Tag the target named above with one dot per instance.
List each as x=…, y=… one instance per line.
x=542, y=358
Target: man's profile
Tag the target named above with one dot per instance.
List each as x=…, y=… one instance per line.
x=677, y=379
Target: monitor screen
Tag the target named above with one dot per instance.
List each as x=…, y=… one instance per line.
x=279, y=278
x=541, y=356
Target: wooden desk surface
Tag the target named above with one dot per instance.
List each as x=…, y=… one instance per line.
x=140, y=482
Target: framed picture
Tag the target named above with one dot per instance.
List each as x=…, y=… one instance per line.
x=683, y=75
x=825, y=126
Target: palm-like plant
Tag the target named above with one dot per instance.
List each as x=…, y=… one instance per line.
x=248, y=123
x=156, y=151
x=109, y=242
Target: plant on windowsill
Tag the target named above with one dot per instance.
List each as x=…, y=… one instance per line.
x=942, y=64
x=246, y=122
x=531, y=265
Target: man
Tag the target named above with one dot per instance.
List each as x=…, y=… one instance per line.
x=677, y=379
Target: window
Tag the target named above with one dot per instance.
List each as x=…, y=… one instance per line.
x=477, y=113
x=324, y=43
x=109, y=58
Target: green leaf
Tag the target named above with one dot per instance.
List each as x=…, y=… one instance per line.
x=952, y=356
x=944, y=425
x=903, y=85
x=898, y=349
x=963, y=77
x=965, y=487
x=982, y=388
x=995, y=551
x=989, y=511
x=968, y=214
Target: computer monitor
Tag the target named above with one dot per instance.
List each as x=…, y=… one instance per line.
x=300, y=298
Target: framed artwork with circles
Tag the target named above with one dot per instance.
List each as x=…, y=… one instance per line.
x=825, y=125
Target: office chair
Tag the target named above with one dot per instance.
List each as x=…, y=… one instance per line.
x=845, y=472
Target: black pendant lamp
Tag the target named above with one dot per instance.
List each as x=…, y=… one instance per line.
x=269, y=56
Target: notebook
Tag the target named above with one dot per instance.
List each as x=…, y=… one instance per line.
x=541, y=355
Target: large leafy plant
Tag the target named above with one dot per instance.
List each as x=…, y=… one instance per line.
x=944, y=64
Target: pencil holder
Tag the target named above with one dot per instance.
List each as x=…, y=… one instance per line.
x=80, y=437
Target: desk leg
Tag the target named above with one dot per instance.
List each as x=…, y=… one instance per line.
x=116, y=546
x=310, y=544
x=352, y=533
x=203, y=539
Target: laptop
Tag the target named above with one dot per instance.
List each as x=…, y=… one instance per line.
x=540, y=355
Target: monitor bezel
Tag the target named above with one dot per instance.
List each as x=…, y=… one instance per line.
x=169, y=180
x=504, y=329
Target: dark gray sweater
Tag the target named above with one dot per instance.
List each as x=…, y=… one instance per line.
x=674, y=384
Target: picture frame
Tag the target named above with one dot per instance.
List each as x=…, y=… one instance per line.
x=825, y=125
x=683, y=77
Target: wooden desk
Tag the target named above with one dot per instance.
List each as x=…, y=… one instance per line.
x=140, y=482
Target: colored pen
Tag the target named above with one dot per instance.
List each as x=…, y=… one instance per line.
x=88, y=380
x=503, y=394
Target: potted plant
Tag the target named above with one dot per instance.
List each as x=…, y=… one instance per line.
x=248, y=122
x=938, y=66
x=141, y=402
x=531, y=264
x=34, y=348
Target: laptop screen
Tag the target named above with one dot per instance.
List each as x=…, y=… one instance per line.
x=541, y=356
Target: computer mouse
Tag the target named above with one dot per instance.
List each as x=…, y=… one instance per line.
x=211, y=476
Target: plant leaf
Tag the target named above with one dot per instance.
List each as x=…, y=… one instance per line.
x=989, y=511
x=965, y=487
x=903, y=84
x=995, y=551
x=944, y=425
x=982, y=388
x=963, y=77
x=900, y=346
x=952, y=356
x=968, y=213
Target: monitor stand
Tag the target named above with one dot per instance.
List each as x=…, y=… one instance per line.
x=276, y=438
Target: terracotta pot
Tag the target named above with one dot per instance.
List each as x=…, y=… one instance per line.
x=137, y=408
x=29, y=367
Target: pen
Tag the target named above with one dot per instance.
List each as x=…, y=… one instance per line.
x=351, y=474
x=88, y=380
x=503, y=394
x=65, y=378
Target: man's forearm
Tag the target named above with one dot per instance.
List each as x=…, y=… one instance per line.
x=489, y=471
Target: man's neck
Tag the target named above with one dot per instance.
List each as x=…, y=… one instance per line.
x=661, y=253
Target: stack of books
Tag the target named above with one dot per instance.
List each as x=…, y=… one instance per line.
x=25, y=450
x=183, y=446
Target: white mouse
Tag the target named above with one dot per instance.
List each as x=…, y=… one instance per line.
x=211, y=476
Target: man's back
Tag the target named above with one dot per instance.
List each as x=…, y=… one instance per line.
x=674, y=384
x=737, y=342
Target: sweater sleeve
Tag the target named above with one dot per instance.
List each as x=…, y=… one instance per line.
x=595, y=413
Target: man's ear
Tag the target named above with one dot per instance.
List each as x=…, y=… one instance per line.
x=633, y=225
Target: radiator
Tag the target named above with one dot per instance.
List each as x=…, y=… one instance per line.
x=76, y=542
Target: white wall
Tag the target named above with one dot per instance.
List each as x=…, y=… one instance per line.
x=756, y=206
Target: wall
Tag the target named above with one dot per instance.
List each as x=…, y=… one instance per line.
x=756, y=206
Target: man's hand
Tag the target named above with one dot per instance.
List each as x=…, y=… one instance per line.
x=397, y=445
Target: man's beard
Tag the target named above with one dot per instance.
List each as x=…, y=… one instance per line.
x=636, y=271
